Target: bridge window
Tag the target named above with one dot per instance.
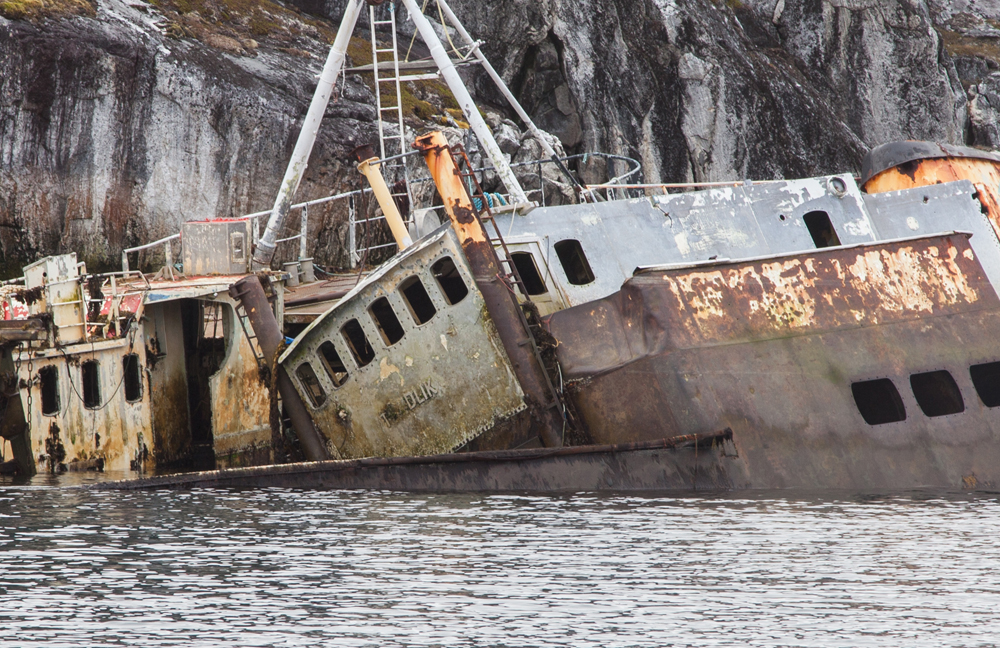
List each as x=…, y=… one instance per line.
x=357, y=342
x=90, y=371
x=574, y=262
x=937, y=393
x=386, y=321
x=310, y=383
x=332, y=363
x=450, y=280
x=821, y=229
x=417, y=300
x=49, y=378
x=132, y=378
x=986, y=380
x=878, y=401
x=526, y=268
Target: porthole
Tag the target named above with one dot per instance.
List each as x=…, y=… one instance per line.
x=937, y=393
x=878, y=401
x=574, y=262
x=986, y=380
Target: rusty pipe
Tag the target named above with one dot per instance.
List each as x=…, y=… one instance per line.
x=249, y=292
x=498, y=295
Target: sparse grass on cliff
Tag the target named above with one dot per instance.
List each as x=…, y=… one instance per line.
x=38, y=9
x=427, y=100
x=957, y=44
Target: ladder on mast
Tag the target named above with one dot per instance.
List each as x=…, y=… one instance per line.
x=391, y=144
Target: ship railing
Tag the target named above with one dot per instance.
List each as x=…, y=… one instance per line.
x=615, y=188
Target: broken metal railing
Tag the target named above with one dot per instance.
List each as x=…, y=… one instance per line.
x=167, y=252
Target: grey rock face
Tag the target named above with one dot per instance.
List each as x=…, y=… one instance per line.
x=111, y=133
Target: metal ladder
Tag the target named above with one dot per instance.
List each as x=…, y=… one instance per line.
x=508, y=270
x=471, y=183
x=395, y=171
x=251, y=336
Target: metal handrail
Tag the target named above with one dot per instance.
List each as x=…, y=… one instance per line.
x=165, y=242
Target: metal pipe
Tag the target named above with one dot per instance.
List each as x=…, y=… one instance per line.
x=303, y=224
x=249, y=292
x=307, y=136
x=465, y=102
x=370, y=169
x=498, y=295
x=504, y=90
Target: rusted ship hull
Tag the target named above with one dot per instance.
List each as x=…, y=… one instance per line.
x=706, y=462
x=859, y=368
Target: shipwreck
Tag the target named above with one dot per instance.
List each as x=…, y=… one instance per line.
x=828, y=332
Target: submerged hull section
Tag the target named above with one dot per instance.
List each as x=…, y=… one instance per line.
x=708, y=462
x=842, y=368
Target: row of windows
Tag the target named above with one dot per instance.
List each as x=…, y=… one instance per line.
x=421, y=310
x=90, y=383
x=936, y=392
x=574, y=263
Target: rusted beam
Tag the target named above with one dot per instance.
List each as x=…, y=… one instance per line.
x=498, y=295
x=249, y=292
x=25, y=330
x=685, y=463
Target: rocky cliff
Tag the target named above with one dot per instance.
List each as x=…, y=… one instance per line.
x=121, y=119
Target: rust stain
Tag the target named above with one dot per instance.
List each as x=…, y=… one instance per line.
x=984, y=175
x=828, y=289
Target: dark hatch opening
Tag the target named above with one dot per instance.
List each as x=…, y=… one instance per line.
x=450, y=280
x=49, y=377
x=132, y=377
x=986, y=380
x=878, y=401
x=332, y=363
x=937, y=393
x=821, y=229
x=417, y=300
x=357, y=342
x=526, y=268
x=90, y=371
x=311, y=384
x=386, y=321
x=574, y=262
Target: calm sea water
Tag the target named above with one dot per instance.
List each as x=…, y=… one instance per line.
x=290, y=568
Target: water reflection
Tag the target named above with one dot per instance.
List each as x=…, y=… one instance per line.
x=283, y=568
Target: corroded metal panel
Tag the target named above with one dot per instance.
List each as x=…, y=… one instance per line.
x=952, y=206
x=771, y=348
x=451, y=368
x=746, y=220
x=241, y=430
x=697, y=462
x=110, y=433
x=217, y=247
x=670, y=307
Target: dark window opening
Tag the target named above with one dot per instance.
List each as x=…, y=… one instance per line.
x=49, y=377
x=574, y=262
x=91, y=383
x=450, y=280
x=132, y=377
x=332, y=363
x=311, y=384
x=417, y=300
x=937, y=393
x=525, y=264
x=357, y=342
x=821, y=229
x=386, y=321
x=878, y=401
x=986, y=379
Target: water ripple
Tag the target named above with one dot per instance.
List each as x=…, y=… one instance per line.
x=286, y=568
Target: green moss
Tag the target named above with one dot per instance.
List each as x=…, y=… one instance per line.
x=38, y=9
